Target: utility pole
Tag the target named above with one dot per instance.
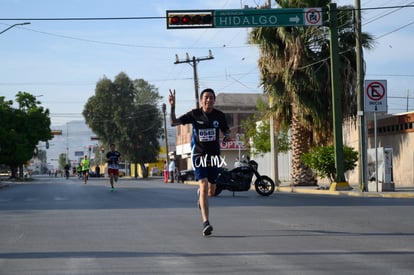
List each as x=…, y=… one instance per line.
x=193, y=62
x=164, y=110
x=362, y=172
x=67, y=143
x=274, y=165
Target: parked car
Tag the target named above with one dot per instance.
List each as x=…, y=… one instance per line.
x=185, y=175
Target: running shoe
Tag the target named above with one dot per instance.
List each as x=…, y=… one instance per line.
x=208, y=228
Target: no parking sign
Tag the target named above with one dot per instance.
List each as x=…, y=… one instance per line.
x=375, y=96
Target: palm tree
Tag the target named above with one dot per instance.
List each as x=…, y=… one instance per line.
x=295, y=72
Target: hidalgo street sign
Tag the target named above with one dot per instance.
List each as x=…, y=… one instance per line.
x=267, y=17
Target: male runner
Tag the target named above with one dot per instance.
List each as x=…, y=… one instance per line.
x=112, y=158
x=85, y=163
x=207, y=123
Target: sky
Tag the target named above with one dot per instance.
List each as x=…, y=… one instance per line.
x=60, y=61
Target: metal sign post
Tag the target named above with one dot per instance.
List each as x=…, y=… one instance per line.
x=376, y=101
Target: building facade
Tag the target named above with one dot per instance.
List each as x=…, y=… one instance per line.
x=395, y=132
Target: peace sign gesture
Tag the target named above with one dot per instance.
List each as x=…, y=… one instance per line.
x=171, y=97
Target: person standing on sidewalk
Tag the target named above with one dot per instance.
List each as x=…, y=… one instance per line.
x=165, y=171
x=171, y=170
x=112, y=158
x=207, y=123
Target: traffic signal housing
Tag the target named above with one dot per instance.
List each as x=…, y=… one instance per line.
x=189, y=19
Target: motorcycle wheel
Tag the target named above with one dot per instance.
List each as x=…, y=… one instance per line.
x=264, y=186
x=218, y=190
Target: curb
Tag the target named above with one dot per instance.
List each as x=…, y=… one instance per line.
x=302, y=190
x=396, y=194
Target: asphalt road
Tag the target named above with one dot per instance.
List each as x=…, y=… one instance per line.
x=58, y=226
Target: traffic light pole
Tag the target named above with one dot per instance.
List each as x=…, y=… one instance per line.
x=340, y=182
x=164, y=111
x=193, y=62
x=269, y=18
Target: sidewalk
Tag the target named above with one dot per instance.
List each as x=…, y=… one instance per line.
x=398, y=193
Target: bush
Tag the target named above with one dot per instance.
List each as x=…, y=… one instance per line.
x=322, y=161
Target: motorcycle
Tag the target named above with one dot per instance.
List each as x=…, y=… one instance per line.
x=240, y=179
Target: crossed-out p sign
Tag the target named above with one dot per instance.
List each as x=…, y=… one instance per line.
x=375, y=96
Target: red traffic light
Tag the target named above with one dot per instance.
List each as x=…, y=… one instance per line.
x=175, y=20
x=189, y=19
x=186, y=19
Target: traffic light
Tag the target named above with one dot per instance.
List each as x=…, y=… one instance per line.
x=189, y=19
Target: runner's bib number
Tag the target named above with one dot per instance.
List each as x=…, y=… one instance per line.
x=206, y=135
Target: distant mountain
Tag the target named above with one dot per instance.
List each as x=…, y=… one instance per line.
x=76, y=139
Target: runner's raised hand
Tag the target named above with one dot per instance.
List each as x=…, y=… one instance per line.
x=171, y=97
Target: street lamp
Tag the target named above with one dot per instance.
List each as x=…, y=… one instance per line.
x=18, y=24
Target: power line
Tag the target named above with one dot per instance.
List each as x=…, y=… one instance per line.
x=395, y=30
x=84, y=18
x=157, y=17
x=153, y=17
x=381, y=16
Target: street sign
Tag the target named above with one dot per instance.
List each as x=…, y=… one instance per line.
x=79, y=153
x=375, y=96
x=243, y=18
x=56, y=132
x=267, y=17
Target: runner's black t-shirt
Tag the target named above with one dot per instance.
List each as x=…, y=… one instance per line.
x=113, y=157
x=206, y=130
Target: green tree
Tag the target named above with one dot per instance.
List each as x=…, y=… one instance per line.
x=258, y=131
x=321, y=160
x=125, y=112
x=63, y=160
x=21, y=130
x=295, y=72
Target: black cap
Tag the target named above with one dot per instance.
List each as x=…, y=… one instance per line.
x=208, y=90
